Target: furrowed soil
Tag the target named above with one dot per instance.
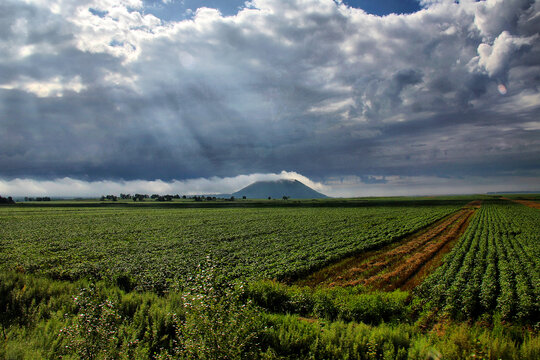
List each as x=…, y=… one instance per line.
x=531, y=204
x=403, y=265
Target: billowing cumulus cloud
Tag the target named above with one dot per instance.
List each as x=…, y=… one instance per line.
x=100, y=90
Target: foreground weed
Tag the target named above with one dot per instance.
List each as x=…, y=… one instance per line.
x=94, y=332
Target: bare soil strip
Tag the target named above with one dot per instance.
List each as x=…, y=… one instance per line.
x=531, y=204
x=402, y=265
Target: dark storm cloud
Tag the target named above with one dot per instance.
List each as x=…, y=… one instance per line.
x=101, y=90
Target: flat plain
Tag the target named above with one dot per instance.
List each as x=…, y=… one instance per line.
x=160, y=245
x=372, y=278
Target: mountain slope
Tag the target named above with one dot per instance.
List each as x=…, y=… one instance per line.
x=294, y=189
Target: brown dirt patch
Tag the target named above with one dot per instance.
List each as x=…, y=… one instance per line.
x=402, y=265
x=473, y=205
x=429, y=266
x=531, y=204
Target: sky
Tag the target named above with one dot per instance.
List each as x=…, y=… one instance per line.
x=355, y=98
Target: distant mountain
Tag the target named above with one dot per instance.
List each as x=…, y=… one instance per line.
x=294, y=189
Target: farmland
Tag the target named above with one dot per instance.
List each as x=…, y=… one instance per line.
x=393, y=266
x=496, y=267
x=363, y=279
x=155, y=247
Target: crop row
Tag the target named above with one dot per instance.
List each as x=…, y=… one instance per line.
x=494, y=267
x=152, y=248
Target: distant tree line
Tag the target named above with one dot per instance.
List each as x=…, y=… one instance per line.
x=8, y=200
x=206, y=198
x=164, y=198
x=41, y=198
x=139, y=197
x=158, y=197
x=109, y=197
x=142, y=197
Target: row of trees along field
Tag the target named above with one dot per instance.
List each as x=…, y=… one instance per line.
x=38, y=198
x=157, y=197
x=141, y=197
x=7, y=200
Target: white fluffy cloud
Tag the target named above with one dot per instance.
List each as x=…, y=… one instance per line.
x=496, y=58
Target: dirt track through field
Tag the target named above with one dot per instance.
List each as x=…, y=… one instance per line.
x=403, y=265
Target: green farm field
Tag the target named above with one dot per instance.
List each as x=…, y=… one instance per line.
x=157, y=245
x=102, y=280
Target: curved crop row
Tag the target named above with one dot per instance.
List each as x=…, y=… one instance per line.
x=493, y=268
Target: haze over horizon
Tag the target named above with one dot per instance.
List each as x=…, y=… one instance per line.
x=352, y=98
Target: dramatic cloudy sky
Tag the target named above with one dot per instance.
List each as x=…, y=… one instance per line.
x=355, y=97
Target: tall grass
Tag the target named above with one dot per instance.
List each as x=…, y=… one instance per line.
x=210, y=318
x=343, y=304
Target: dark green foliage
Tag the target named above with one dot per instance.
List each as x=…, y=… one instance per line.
x=291, y=337
x=94, y=332
x=85, y=320
x=211, y=319
x=217, y=323
x=345, y=304
x=6, y=201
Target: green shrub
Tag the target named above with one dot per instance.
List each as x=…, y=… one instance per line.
x=207, y=320
x=211, y=318
x=290, y=337
x=217, y=323
x=93, y=333
x=346, y=304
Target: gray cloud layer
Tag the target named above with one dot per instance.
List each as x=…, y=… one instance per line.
x=98, y=90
